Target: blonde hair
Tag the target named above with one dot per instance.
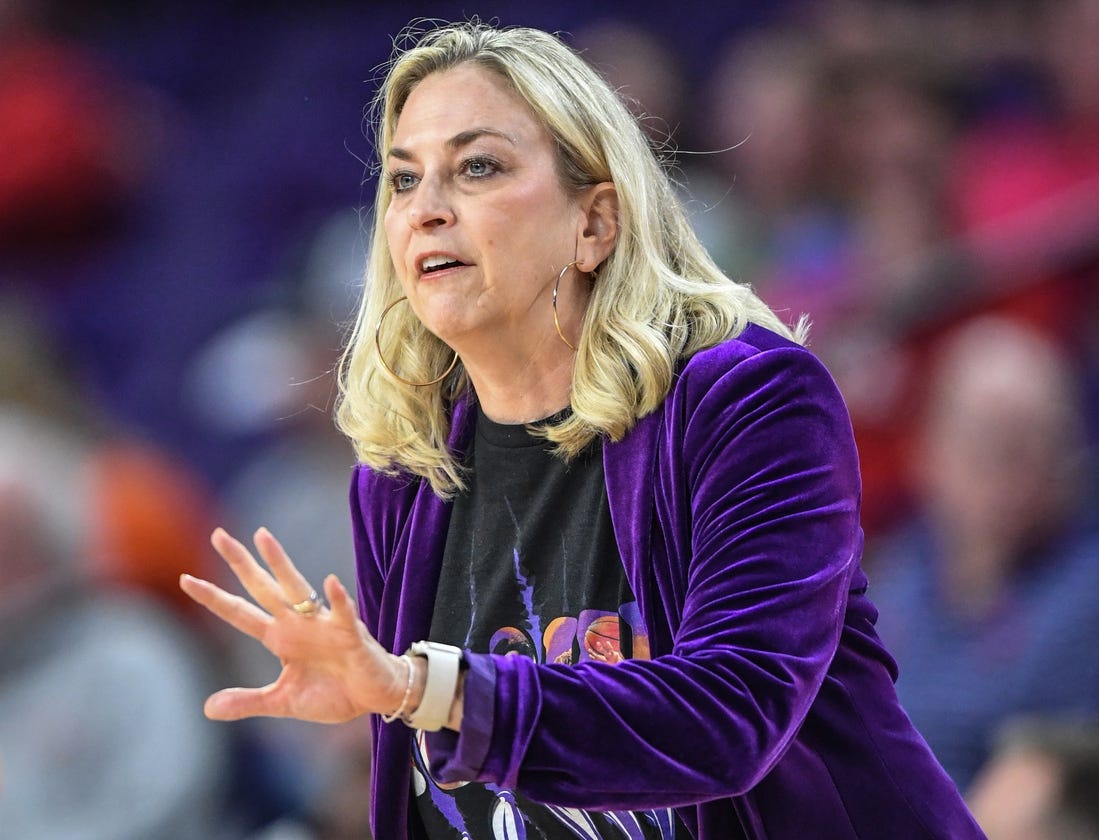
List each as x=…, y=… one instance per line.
x=658, y=299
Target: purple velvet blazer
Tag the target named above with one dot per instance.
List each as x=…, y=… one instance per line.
x=768, y=703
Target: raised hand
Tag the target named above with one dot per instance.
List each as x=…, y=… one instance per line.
x=333, y=670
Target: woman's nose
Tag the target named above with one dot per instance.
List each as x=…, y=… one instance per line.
x=429, y=206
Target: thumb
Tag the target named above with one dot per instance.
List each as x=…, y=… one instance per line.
x=238, y=703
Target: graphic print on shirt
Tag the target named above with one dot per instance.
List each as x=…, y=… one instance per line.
x=593, y=635
x=531, y=568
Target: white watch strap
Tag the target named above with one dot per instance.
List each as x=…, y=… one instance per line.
x=443, y=664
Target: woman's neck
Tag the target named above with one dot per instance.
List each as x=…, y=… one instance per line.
x=513, y=387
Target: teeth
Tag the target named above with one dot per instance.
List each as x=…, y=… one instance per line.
x=431, y=263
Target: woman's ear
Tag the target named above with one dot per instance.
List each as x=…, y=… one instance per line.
x=599, y=232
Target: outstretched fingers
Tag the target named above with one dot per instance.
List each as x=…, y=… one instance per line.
x=232, y=609
x=256, y=580
x=327, y=654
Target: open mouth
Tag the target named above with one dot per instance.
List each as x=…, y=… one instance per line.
x=439, y=263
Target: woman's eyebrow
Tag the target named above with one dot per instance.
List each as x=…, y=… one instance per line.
x=462, y=138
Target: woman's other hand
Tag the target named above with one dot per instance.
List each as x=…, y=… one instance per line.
x=333, y=670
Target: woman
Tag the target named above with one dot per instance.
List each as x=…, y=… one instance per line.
x=605, y=482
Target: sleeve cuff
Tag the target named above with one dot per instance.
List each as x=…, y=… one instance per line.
x=460, y=756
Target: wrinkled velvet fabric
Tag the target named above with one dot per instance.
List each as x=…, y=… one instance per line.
x=768, y=703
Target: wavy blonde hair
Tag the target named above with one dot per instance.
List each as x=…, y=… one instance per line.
x=658, y=298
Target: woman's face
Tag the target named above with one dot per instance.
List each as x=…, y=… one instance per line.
x=479, y=224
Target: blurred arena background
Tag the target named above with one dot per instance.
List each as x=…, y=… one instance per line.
x=183, y=193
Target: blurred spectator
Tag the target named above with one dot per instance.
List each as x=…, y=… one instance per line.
x=767, y=218
x=148, y=514
x=74, y=141
x=1041, y=782
x=1023, y=183
x=271, y=376
x=137, y=518
x=1020, y=153
x=100, y=692
x=888, y=131
x=989, y=599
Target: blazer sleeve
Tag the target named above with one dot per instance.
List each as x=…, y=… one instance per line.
x=758, y=478
x=368, y=553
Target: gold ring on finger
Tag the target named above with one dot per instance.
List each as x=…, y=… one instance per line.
x=309, y=606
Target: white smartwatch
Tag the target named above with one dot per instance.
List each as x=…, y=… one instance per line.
x=443, y=664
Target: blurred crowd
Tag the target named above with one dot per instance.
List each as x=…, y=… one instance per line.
x=183, y=193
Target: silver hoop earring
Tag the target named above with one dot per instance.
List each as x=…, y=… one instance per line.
x=556, y=322
x=393, y=373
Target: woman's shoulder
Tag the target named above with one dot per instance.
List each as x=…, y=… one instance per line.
x=758, y=385
x=757, y=358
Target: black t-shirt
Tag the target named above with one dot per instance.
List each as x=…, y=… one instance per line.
x=531, y=569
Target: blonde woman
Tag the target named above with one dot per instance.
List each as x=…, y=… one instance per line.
x=606, y=518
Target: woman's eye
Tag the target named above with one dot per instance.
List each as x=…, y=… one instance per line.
x=479, y=167
x=402, y=181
